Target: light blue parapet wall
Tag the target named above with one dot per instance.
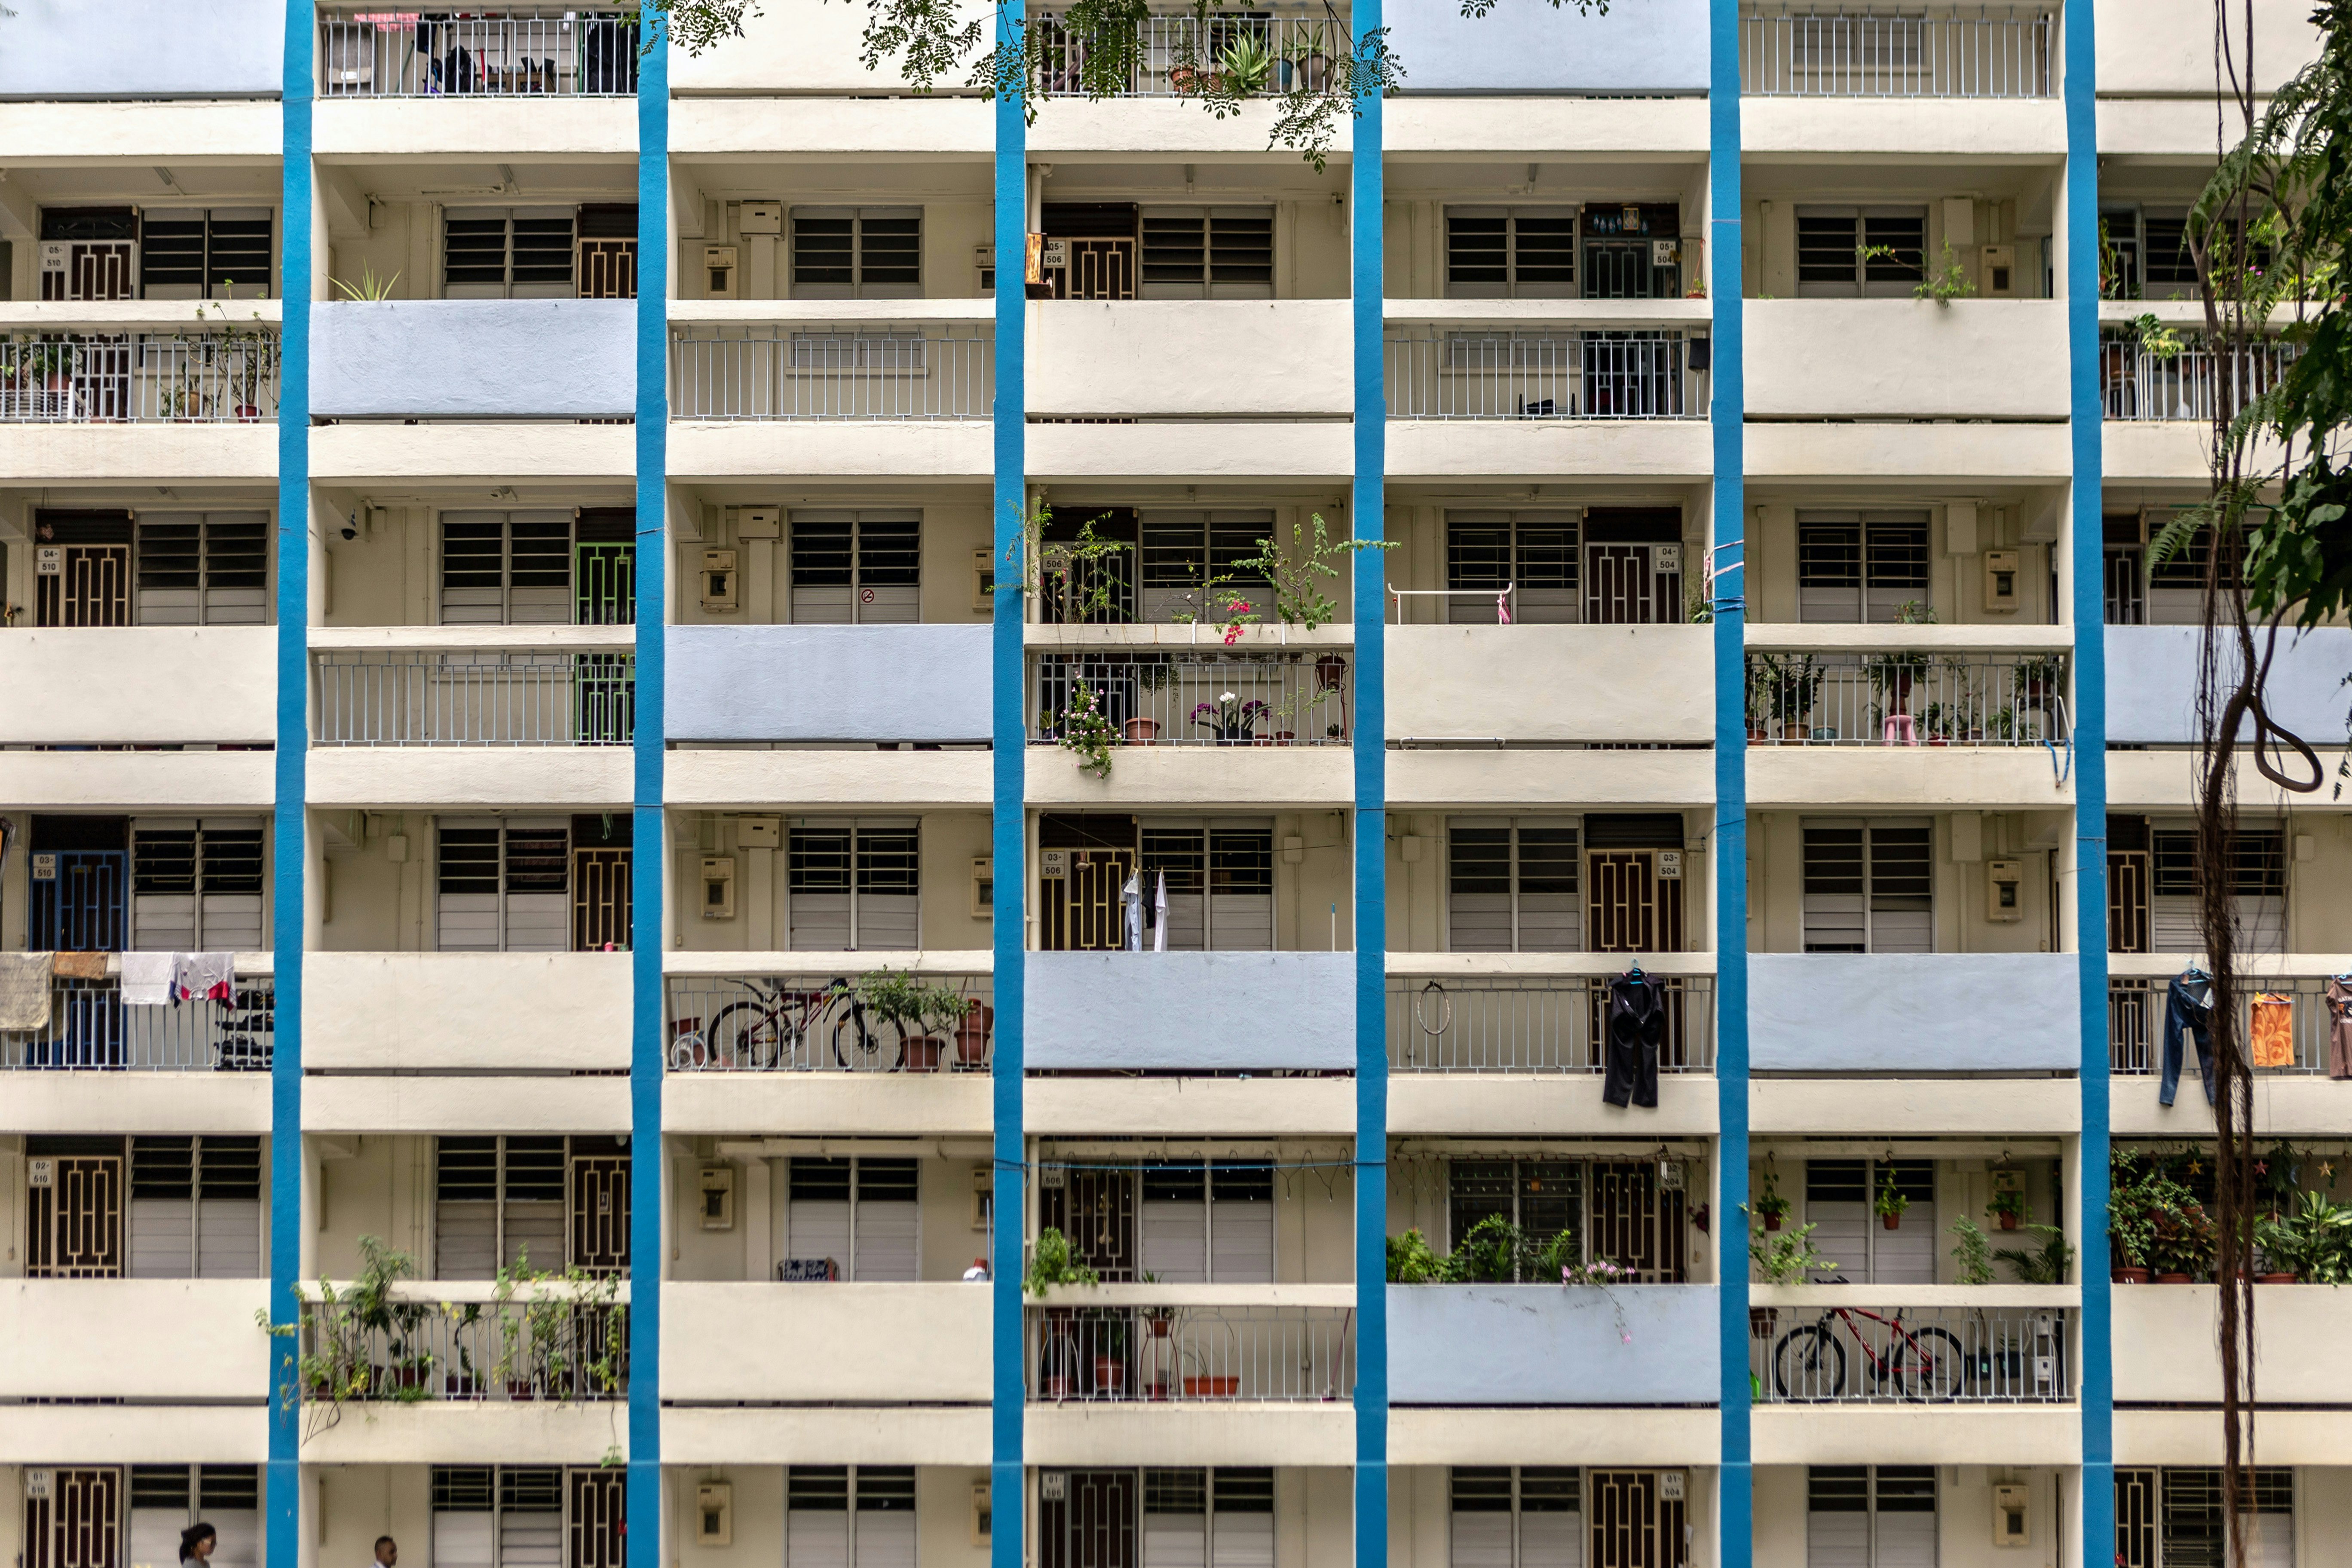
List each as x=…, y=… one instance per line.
x=1551, y=1345
x=1198, y=1011
x=143, y=49
x=1524, y=46
x=474, y=359
x=919, y=683
x=1930, y=1012
x=2152, y=685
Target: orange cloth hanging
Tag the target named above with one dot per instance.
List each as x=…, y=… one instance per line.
x=2273, y=1030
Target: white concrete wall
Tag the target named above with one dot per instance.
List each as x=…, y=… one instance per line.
x=133, y=1338
x=1275, y=357
x=1551, y=683
x=2145, y=48
x=2165, y=1336
x=145, y=685
x=143, y=49
x=1905, y=359
x=485, y=359
x=854, y=1344
x=518, y=1010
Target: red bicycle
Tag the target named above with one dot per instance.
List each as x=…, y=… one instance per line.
x=1808, y=1363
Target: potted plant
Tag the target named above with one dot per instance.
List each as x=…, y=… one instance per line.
x=1330, y=669
x=2185, y=1241
x=1788, y=684
x=2010, y=1208
x=971, y=1031
x=1769, y=1204
x=1788, y=1257
x=899, y=998
x=1231, y=721
x=1139, y=731
x=1890, y=1201
x=2044, y=1264
x=2036, y=678
x=1244, y=66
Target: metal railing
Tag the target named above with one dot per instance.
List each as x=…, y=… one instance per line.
x=870, y=371
x=1906, y=698
x=1154, y=698
x=1539, y=1023
x=1965, y=51
x=90, y=1029
x=808, y=1023
x=1190, y=1354
x=566, y=1350
x=1185, y=55
x=2194, y=383
x=2135, y=1026
x=227, y=377
x=1931, y=1355
x=512, y=51
x=476, y=699
x=1445, y=373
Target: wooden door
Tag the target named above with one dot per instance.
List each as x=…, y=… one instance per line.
x=1636, y=1223
x=608, y=270
x=1634, y=1525
x=2127, y=905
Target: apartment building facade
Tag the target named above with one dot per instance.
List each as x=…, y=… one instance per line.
x=713, y=720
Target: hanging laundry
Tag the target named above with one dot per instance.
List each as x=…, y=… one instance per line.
x=82, y=965
x=147, y=979
x=2339, y=1027
x=2273, y=1041
x=1160, y=917
x=1637, y=1025
x=25, y=990
x=203, y=977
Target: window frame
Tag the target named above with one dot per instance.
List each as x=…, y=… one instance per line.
x=200, y=873
x=857, y=520
x=1209, y=285
x=1511, y=287
x=1876, y=551
x=1870, y=826
x=512, y=253
x=1514, y=860
x=1560, y=601
x=860, y=885
x=1874, y=279
x=858, y=286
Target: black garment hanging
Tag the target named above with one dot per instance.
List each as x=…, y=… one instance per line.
x=1637, y=1025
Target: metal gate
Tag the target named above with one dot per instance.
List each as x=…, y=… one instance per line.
x=1096, y=1210
x=603, y=699
x=600, y=1214
x=1636, y=1224
x=1629, y=908
x=2136, y=1519
x=74, y=1216
x=1080, y=910
x=604, y=584
x=596, y=1511
x=1092, y=1524
x=73, y=1519
x=600, y=900
x=95, y=270
x=1635, y=1524
x=1624, y=586
x=608, y=270
x=81, y=586
x=78, y=901
x=1097, y=270
x=2127, y=905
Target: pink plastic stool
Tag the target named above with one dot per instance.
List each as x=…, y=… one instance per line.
x=1904, y=726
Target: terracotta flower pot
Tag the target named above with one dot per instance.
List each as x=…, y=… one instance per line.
x=1160, y=1327
x=1141, y=732
x=924, y=1052
x=1211, y=1388
x=1059, y=1387
x=2172, y=1279
x=1771, y=1222
x=1762, y=1321
x=1110, y=1375
x=2009, y=1222
x=972, y=1035
x=521, y=1388
x=2130, y=1276
x=1891, y=1221
x=2285, y=1278
x=1792, y=732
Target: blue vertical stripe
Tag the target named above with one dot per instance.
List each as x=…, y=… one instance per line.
x=282, y=1501
x=647, y=860
x=1736, y=1513
x=1366, y=202
x=1008, y=844
x=2089, y=612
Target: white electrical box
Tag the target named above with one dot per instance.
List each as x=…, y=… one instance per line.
x=718, y=887
x=984, y=1197
x=760, y=218
x=983, y=888
x=758, y=522
x=759, y=833
x=719, y=265
x=1961, y=528
x=1997, y=265
x=983, y=581
x=716, y=1186
x=2000, y=582
x=2010, y=1517
x=2003, y=882
x=720, y=591
x=714, y=1513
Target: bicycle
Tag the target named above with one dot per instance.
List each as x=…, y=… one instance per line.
x=776, y=1027
x=1918, y=1363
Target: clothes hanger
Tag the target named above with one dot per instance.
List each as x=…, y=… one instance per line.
x=1634, y=974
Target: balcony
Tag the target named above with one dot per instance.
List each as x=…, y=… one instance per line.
x=2152, y=683
x=909, y=1343
x=1550, y=1344
x=514, y=52
x=1898, y=1013
x=1192, y=1011
x=148, y=1341
x=562, y=1342
x=1570, y=683
x=1181, y=56
x=829, y=683
x=223, y=373
x=1917, y=1344
x=921, y=363
x=143, y=49
x=2154, y=1324
x=466, y=1011
x=1190, y=358
x=474, y=359
x=1569, y=360
x=1193, y=1345
x=1879, y=360
x=1976, y=52
x=1629, y=50
x=2136, y=1022
x=1467, y=1021
x=1174, y=694
x=2138, y=384
x=1842, y=692
x=117, y=700
x=810, y=1023
x=89, y=1029
x=538, y=693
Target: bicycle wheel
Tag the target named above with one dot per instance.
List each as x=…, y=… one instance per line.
x=1809, y=1363
x=741, y=1034
x=1930, y=1364
x=861, y=1046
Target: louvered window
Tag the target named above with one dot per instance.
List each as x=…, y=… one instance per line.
x=196, y=1208
x=1515, y=1516
x=528, y=1516
x=504, y=884
x=1512, y=885
x=1208, y=253
x=1870, y=1516
x=2145, y=255
x=2175, y=1519
x=223, y=253
x=1208, y=1222
x=854, y=885
x=1219, y=884
x=1855, y=566
x=167, y=1499
x=1208, y=1519
x=852, y=1217
x=1869, y=887
x=2257, y=881
x=546, y=1202
x=856, y=567
x=849, y=1516
x=857, y=252
x=204, y=569
x=196, y=884
x=1877, y=253
x=509, y=253
x=1839, y=1198
x=1184, y=550
x=1504, y=253
x=1532, y=554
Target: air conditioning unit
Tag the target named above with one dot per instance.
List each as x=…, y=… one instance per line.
x=760, y=218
